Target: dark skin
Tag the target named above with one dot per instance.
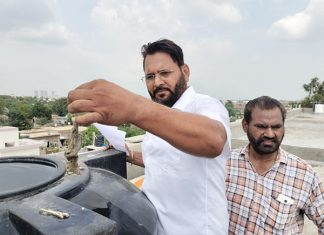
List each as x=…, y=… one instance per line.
x=265, y=132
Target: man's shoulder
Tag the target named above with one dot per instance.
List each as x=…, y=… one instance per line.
x=203, y=97
x=237, y=153
x=296, y=162
x=192, y=101
x=205, y=102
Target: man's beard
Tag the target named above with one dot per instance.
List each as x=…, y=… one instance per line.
x=180, y=87
x=264, y=149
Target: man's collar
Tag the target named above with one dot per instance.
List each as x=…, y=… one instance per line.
x=281, y=157
x=187, y=96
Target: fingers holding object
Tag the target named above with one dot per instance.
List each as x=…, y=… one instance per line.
x=84, y=100
x=89, y=118
x=78, y=103
x=79, y=94
x=81, y=105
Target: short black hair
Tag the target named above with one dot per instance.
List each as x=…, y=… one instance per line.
x=166, y=46
x=264, y=103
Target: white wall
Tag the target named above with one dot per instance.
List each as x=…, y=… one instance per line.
x=20, y=152
x=9, y=135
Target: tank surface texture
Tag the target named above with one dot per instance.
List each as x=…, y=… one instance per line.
x=38, y=197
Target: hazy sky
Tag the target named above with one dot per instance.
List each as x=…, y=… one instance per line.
x=236, y=49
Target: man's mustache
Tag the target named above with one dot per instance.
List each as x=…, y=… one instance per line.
x=161, y=89
x=262, y=139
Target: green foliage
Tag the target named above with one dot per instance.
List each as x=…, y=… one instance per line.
x=315, y=90
x=233, y=113
x=21, y=110
x=294, y=104
x=87, y=135
x=230, y=108
x=131, y=130
x=41, y=110
x=69, y=118
x=43, y=121
x=2, y=107
x=4, y=121
x=6, y=100
x=59, y=107
x=18, y=112
x=18, y=119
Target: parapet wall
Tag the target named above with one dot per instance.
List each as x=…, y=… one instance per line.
x=239, y=140
x=315, y=154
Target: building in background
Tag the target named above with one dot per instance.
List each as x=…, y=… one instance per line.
x=11, y=145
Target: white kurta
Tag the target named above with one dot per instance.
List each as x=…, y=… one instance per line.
x=188, y=192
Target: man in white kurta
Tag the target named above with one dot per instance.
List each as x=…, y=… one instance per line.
x=186, y=145
x=187, y=191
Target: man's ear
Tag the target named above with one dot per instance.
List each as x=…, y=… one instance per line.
x=186, y=71
x=244, y=125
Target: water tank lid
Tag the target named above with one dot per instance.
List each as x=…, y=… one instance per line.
x=20, y=175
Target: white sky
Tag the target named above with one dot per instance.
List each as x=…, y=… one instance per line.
x=236, y=49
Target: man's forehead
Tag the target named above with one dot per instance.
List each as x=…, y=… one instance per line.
x=158, y=60
x=266, y=114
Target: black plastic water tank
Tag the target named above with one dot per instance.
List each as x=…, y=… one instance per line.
x=98, y=201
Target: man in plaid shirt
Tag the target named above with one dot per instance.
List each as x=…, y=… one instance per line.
x=268, y=189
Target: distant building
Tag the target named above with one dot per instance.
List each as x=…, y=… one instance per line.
x=8, y=136
x=52, y=139
x=53, y=95
x=11, y=145
x=59, y=121
x=319, y=108
x=43, y=94
x=240, y=104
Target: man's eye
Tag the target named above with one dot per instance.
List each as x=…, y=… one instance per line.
x=149, y=77
x=261, y=127
x=164, y=73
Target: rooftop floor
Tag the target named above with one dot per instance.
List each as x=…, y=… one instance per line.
x=305, y=130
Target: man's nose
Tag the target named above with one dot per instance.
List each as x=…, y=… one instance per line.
x=268, y=132
x=158, y=81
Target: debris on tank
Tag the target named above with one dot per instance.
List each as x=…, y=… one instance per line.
x=71, y=153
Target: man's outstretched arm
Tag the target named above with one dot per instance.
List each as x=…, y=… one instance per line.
x=107, y=103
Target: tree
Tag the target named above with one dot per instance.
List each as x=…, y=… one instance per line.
x=87, y=135
x=315, y=90
x=320, y=90
x=232, y=111
x=19, y=114
x=69, y=119
x=23, y=108
x=2, y=107
x=18, y=118
x=131, y=130
x=41, y=110
x=60, y=107
x=312, y=86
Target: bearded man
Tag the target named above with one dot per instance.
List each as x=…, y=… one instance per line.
x=186, y=145
x=268, y=189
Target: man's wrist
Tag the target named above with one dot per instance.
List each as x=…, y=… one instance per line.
x=130, y=157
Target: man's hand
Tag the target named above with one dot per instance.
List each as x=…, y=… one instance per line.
x=107, y=103
x=102, y=102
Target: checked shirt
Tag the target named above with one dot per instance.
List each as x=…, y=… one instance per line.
x=255, y=201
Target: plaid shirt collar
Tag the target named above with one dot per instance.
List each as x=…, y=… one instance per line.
x=281, y=157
